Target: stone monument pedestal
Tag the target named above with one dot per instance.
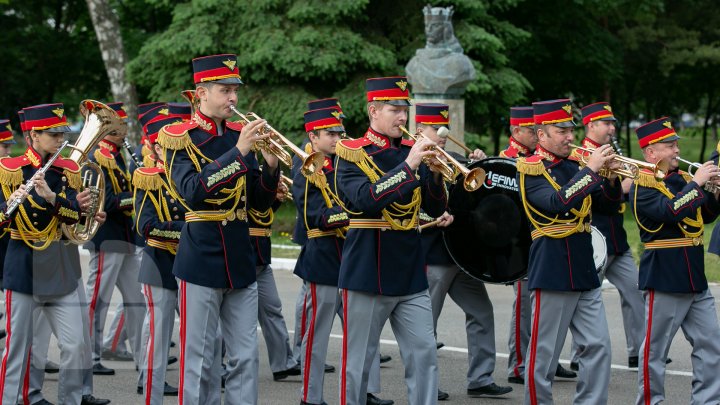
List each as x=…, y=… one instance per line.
x=457, y=119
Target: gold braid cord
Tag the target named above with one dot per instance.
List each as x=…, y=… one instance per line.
x=263, y=218
x=536, y=169
x=28, y=232
x=393, y=212
x=161, y=209
x=648, y=180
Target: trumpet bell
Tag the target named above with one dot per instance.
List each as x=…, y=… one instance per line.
x=474, y=179
x=313, y=163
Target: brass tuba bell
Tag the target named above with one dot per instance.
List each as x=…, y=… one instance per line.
x=100, y=120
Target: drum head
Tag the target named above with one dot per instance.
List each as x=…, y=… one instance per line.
x=490, y=238
x=599, y=248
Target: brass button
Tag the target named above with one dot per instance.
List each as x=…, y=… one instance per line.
x=64, y=178
x=243, y=198
x=224, y=222
x=176, y=217
x=35, y=223
x=549, y=170
x=174, y=208
x=172, y=201
x=202, y=160
x=34, y=214
x=167, y=192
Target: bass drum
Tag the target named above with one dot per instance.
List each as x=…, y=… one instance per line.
x=490, y=236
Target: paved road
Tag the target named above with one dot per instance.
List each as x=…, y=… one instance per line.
x=452, y=360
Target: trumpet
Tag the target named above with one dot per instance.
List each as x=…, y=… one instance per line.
x=276, y=141
x=472, y=178
x=629, y=167
x=287, y=181
x=710, y=187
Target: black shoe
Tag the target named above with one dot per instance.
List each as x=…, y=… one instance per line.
x=172, y=343
x=2, y=334
x=117, y=355
x=633, y=361
x=172, y=360
x=43, y=402
x=439, y=345
x=668, y=360
x=373, y=400
x=576, y=367
x=91, y=400
x=329, y=368
x=490, y=389
x=308, y=403
x=51, y=367
x=99, y=369
x=562, y=372
x=281, y=375
x=384, y=358
x=168, y=390
x=442, y=395
x=516, y=380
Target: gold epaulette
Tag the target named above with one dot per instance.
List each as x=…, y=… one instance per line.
x=318, y=179
x=9, y=176
x=686, y=176
x=105, y=160
x=145, y=151
x=73, y=177
x=148, y=161
x=646, y=179
x=351, y=150
x=532, y=166
x=175, y=136
x=148, y=178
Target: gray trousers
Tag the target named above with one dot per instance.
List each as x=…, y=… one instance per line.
x=553, y=312
x=108, y=269
x=411, y=321
x=519, y=336
x=472, y=297
x=157, y=331
x=116, y=336
x=40, y=346
x=322, y=305
x=271, y=321
x=63, y=314
x=665, y=313
x=202, y=310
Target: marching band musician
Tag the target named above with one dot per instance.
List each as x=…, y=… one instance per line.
x=557, y=196
x=383, y=184
x=445, y=277
x=39, y=269
x=6, y=143
x=670, y=214
x=215, y=175
x=159, y=220
x=620, y=269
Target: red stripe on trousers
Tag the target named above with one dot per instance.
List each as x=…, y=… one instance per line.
x=343, y=379
x=96, y=289
x=533, y=348
x=118, y=331
x=518, y=313
x=646, y=365
x=150, y=347
x=26, y=379
x=8, y=315
x=183, y=320
x=310, y=338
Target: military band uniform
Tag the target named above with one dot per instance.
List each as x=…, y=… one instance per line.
x=382, y=273
x=39, y=274
x=270, y=317
x=670, y=216
x=519, y=336
x=113, y=258
x=217, y=281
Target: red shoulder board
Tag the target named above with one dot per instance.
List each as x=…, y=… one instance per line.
x=408, y=142
x=105, y=153
x=534, y=159
x=180, y=128
x=67, y=164
x=149, y=171
x=14, y=163
x=235, y=126
x=355, y=143
x=510, y=152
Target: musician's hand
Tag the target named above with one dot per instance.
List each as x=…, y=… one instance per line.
x=84, y=199
x=420, y=151
x=600, y=157
x=271, y=161
x=626, y=184
x=249, y=135
x=445, y=220
x=42, y=189
x=706, y=172
x=20, y=193
x=100, y=217
x=282, y=192
x=477, y=154
x=612, y=166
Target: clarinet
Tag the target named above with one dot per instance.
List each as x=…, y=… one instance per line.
x=126, y=145
x=616, y=146
x=30, y=184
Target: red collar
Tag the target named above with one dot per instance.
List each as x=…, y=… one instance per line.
x=520, y=147
x=589, y=143
x=328, y=165
x=33, y=157
x=206, y=124
x=114, y=149
x=545, y=154
x=380, y=140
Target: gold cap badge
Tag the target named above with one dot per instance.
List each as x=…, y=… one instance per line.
x=230, y=64
x=59, y=112
x=402, y=84
x=568, y=109
x=667, y=124
x=444, y=113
